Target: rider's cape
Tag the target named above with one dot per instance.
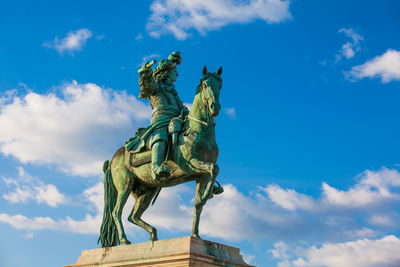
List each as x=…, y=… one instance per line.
x=138, y=143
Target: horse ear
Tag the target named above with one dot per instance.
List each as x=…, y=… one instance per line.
x=205, y=70
x=219, y=72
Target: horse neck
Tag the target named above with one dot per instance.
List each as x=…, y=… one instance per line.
x=200, y=112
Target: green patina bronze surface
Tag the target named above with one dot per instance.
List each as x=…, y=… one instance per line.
x=178, y=146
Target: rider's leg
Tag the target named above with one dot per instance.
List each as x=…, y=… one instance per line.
x=158, y=168
x=157, y=142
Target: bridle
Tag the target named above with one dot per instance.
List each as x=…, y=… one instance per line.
x=205, y=103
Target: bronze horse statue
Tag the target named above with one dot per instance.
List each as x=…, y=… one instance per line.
x=193, y=158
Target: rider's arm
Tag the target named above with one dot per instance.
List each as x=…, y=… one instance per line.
x=184, y=110
x=148, y=85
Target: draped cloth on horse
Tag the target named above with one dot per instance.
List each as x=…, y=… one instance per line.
x=138, y=143
x=161, y=118
x=138, y=148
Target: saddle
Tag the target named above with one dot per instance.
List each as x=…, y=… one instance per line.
x=136, y=149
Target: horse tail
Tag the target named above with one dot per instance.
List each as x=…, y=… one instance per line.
x=108, y=231
x=106, y=164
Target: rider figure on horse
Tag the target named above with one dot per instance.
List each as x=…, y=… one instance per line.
x=158, y=86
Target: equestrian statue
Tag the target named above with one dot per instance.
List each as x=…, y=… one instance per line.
x=179, y=146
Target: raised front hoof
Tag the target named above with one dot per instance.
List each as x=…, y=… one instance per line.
x=196, y=236
x=217, y=189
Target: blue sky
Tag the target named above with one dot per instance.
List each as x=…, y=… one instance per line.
x=308, y=133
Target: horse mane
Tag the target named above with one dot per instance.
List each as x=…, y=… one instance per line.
x=198, y=89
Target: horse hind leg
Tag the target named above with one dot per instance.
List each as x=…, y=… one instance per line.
x=123, y=181
x=117, y=212
x=142, y=202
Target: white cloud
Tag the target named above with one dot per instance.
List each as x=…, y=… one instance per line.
x=384, y=220
x=139, y=36
x=230, y=112
x=170, y=211
x=280, y=252
x=373, y=188
x=100, y=37
x=146, y=59
x=188, y=105
x=352, y=34
x=268, y=213
x=225, y=216
x=76, y=131
x=178, y=17
x=361, y=233
x=8, y=96
x=28, y=188
x=90, y=224
x=289, y=199
x=349, y=49
x=359, y=253
x=248, y=257
x=29, y=236
x=74, y=41
x=386, y=67
x=50, y=195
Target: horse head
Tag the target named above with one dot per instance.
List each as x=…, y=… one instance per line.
x=209, y=89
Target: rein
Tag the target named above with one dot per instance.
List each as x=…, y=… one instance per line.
x=199, y=121
x=205, y=106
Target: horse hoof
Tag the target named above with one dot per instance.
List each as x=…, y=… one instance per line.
x=217, y=189
x=196, y=236
x=153, y=238
x=125, y=242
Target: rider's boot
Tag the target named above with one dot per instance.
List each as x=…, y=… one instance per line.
x=158, y=167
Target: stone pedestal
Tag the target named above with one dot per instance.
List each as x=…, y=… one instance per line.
x=177, y=252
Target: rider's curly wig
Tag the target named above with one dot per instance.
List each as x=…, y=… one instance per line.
x=162, y=75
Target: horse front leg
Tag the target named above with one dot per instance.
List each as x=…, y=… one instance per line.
x=203, y=192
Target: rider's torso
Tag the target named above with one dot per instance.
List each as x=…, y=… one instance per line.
x=164, y=103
